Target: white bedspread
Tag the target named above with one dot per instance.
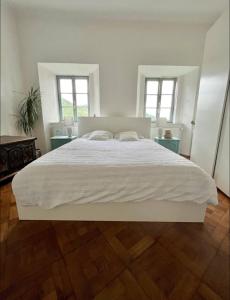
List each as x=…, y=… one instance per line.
x=86, y=171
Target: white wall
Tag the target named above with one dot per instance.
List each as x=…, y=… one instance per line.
x=11, y=76
x=94, y=85
x=187, y=96
x=222, y=165
x=49, y=98
x=49, y=104
x=212, y=91
x=151, y=71
x=117, y=46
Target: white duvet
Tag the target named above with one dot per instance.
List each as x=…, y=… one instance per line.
x=86, y=171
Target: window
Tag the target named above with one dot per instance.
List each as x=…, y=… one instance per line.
x=73, y=96
x=159, y=98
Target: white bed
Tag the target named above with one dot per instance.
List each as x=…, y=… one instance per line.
x=113, y=180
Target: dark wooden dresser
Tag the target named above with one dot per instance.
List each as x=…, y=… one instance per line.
x=15, y=153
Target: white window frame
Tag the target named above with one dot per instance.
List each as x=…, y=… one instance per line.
x=74, y=93
x=159, y=94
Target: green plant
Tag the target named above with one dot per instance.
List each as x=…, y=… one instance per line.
x=28, y=111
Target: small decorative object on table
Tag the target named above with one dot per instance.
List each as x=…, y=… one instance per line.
x=68, y=121
x=160, y=132
x=69, y=131
x=162, y=122
x=168, y=134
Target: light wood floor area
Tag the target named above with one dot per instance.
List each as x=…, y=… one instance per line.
x=113, y=260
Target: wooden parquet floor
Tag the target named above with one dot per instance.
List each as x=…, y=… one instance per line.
x=114, y=260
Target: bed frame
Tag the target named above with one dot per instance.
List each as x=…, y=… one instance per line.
x=148, y=211
x=115, y=124
x=159, y=211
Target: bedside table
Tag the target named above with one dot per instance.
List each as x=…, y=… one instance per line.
x=58, y=141
x=171, y=144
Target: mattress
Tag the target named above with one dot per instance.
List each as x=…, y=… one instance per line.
x=85, y=171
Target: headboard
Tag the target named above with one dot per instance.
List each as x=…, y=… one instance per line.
x=115, y=124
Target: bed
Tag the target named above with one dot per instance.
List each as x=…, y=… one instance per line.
x=113, y=180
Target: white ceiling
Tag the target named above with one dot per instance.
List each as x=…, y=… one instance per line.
x=192, y=11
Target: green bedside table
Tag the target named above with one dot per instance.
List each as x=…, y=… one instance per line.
x=58, y=141
x=172, y=144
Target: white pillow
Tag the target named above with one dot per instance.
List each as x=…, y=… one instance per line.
x=86, y=136
x=100, y=135
x=128, y=136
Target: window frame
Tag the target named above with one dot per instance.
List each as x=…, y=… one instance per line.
x=159, y=94
x=74, y=94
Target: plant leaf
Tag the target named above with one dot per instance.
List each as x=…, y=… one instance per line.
x=28, y=111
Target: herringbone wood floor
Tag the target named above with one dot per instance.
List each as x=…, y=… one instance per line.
x=114, y=260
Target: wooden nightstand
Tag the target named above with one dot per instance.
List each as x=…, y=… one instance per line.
x=58, y=141
x=172, y=144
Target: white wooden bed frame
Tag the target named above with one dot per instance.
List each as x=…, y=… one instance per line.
x=158, y=211
x=148, y=211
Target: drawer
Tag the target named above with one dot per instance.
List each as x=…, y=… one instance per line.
x=172, y=145
x=28, y=153
x=15, y=153
x=3, y=160
x=58, y=143
x=15, y=158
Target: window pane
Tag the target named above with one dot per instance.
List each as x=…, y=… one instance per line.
x=67, y=100
x=66, y=85
x=166, y=100
x=167, y=87
x=151, y=113
x=67, y=111
x=82, y=105
x=165, y=113
x=82, y=111
x=152, y=87
x=81, y=85
x=82, y=99
x=151, y=101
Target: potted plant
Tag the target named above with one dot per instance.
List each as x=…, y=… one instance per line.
x=28, y=111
